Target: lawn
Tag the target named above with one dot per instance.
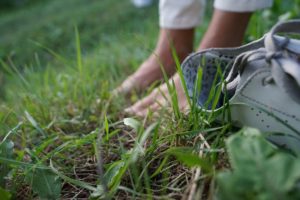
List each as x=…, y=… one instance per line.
x=63, y=135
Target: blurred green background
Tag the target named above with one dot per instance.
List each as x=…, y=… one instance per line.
x=24, y=23
x=114, y=35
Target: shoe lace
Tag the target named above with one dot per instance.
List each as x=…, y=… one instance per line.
x=284, y=65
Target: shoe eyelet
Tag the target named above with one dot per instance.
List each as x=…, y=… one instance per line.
x=267, y=80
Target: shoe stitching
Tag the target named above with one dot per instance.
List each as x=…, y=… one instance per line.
x=260, y=103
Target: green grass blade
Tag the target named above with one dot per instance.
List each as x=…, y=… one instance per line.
x=78, y=52
x=180, y=73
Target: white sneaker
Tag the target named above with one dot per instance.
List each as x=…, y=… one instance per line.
x=263, y=84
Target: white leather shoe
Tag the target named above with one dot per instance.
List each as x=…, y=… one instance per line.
x=263, y=84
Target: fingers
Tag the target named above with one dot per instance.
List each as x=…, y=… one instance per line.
x=153, y=102
x=126, y=87
x=142, y=104
x=159, y=99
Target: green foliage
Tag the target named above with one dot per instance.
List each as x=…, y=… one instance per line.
x=70, y=180
x=5, y=195
x=260, y=170
x=187, y=157
x=45, y=183
x=6, y=151
x=42, y=181
x=112, y=172
x=117, y=169
x=133, y=123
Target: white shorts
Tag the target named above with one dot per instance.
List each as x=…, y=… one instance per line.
x=184, y=14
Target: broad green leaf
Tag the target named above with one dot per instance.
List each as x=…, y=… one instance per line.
x=4, y=195
x=112, y=172
x=133, y=123
x=260, y=170
x=45, y=183
x=253, y=146
x=190, y=159
x=6, y=151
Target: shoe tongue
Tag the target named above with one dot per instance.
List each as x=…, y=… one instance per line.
x=243, y=66
x=286, y=73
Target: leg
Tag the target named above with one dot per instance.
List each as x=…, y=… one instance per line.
x=225, y=30
x=150, y=71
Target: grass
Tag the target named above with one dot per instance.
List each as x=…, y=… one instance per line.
x=60, y=125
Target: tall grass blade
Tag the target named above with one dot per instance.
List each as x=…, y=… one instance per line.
x=34, y=123
x=180, y=73
x=72, y=181
x=53, y=53
x=78, y=52
x=13, y=130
